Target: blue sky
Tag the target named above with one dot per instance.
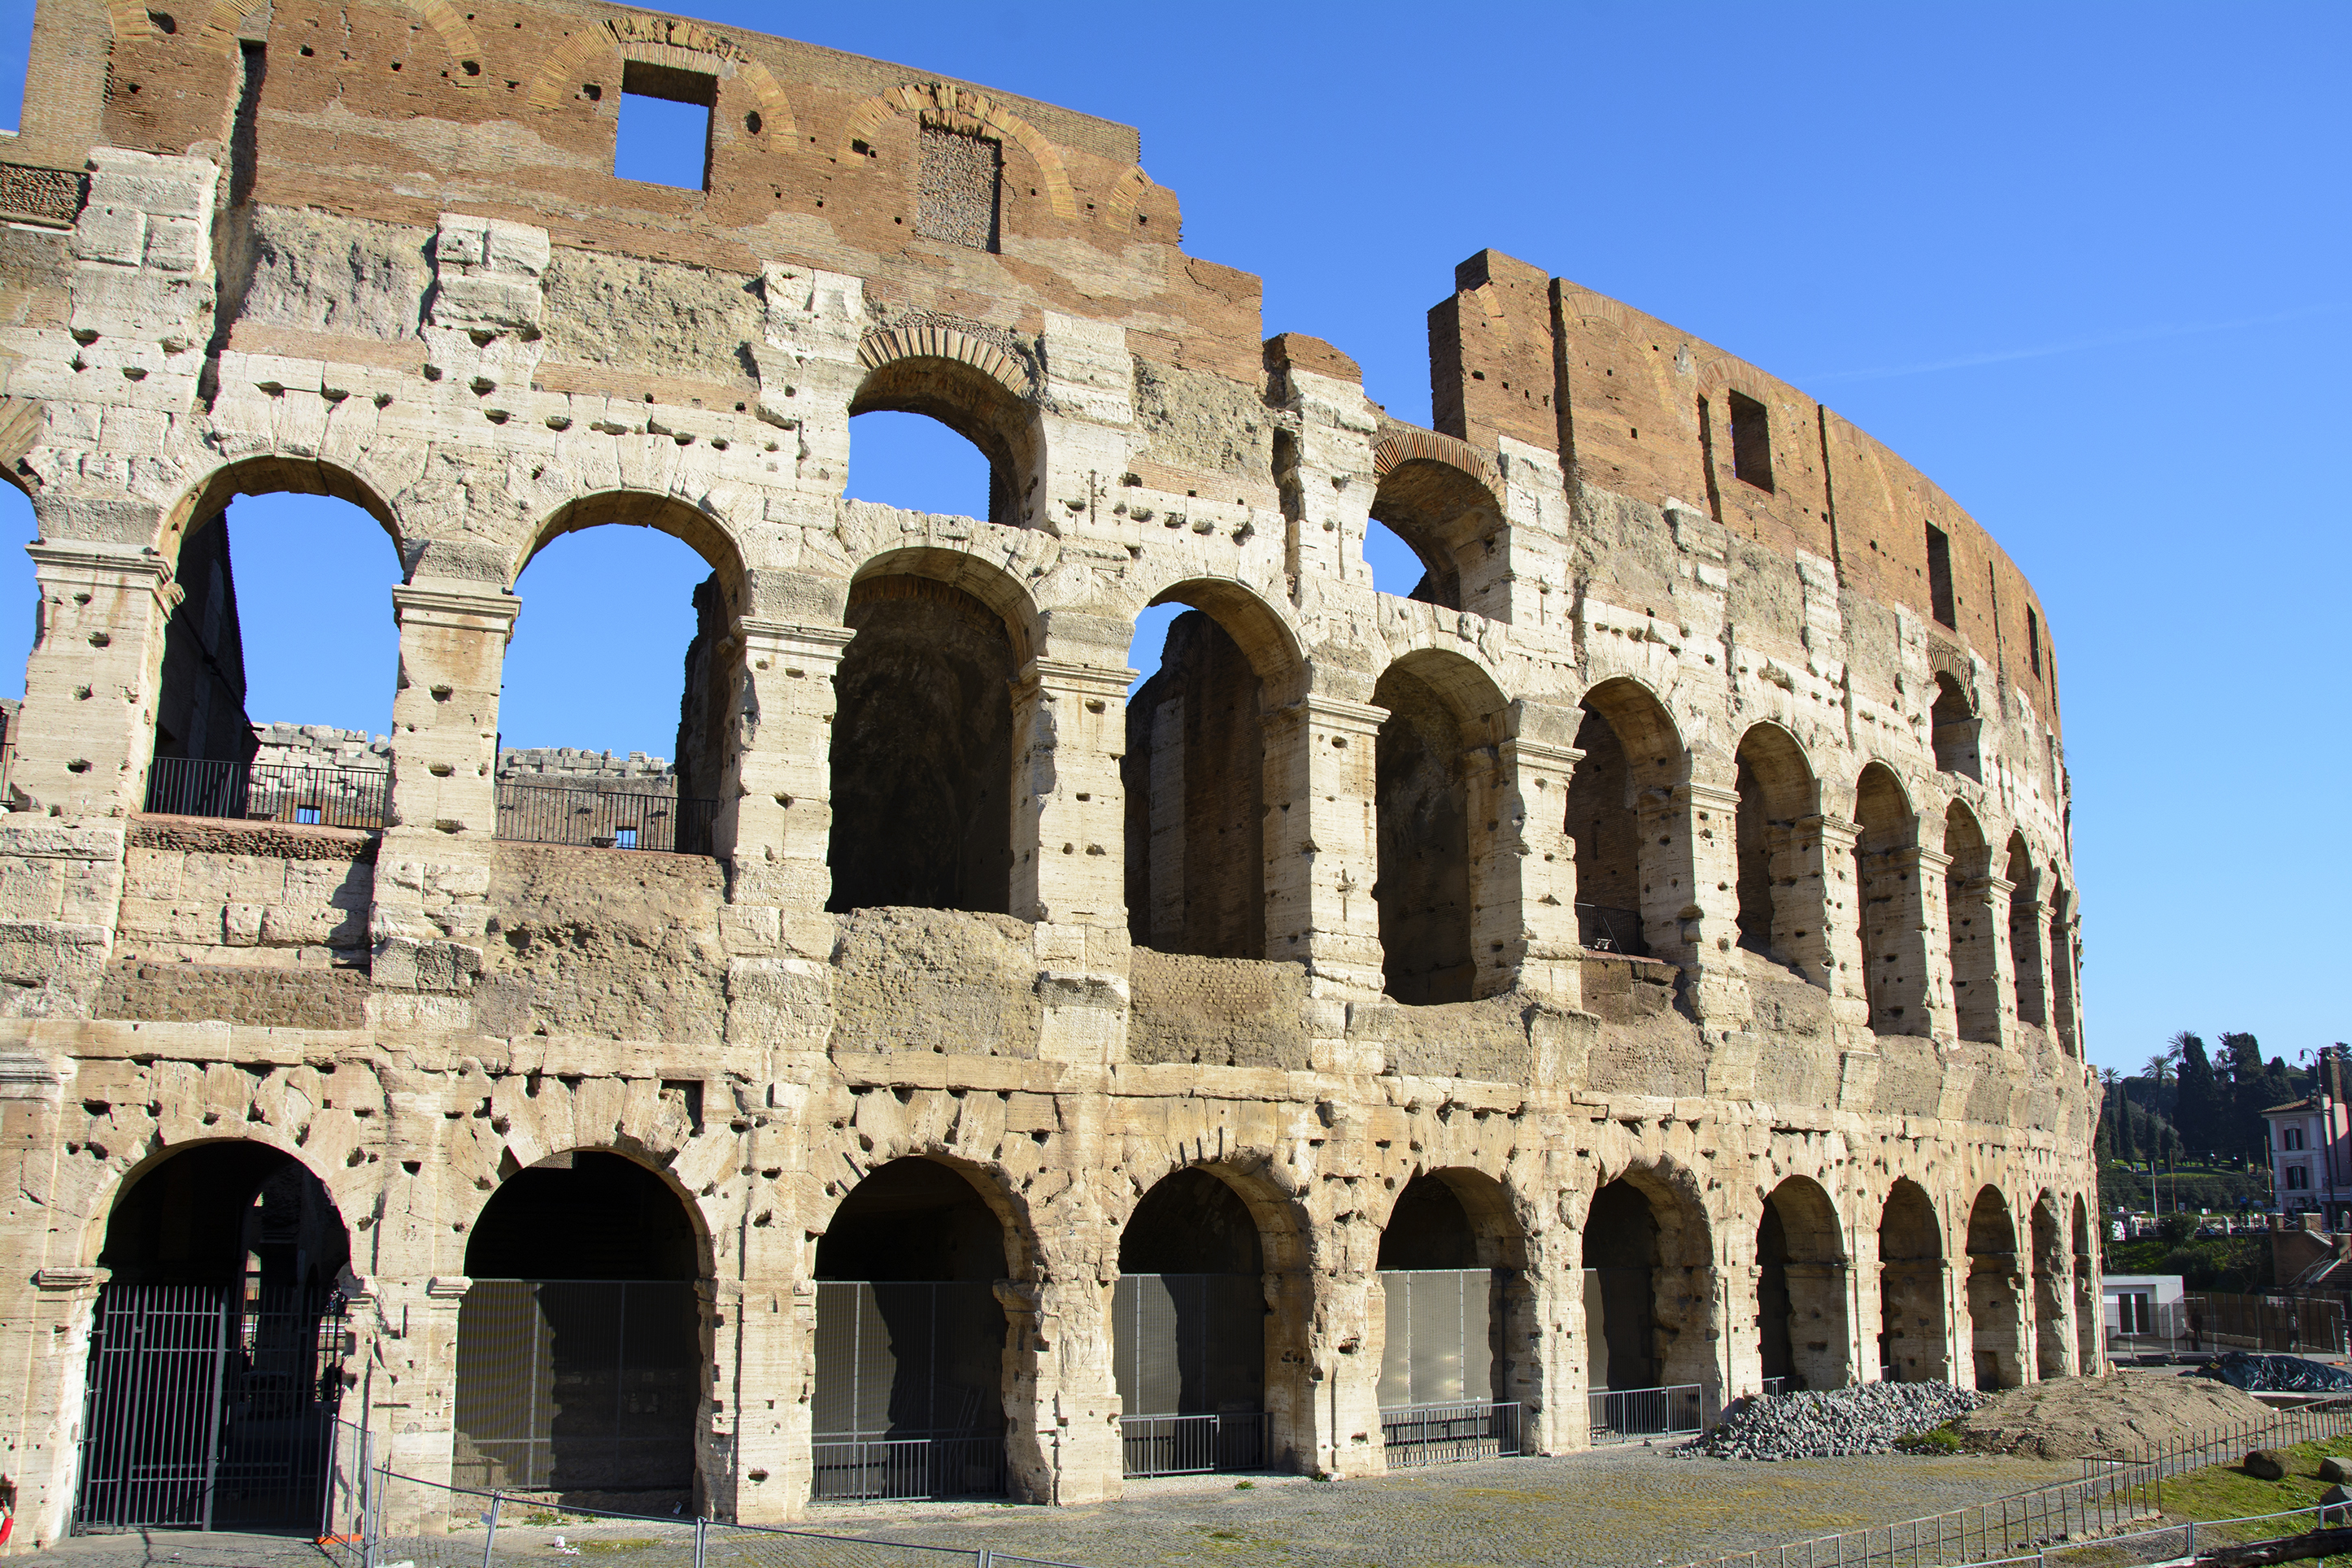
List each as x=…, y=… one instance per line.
x=2083, y=264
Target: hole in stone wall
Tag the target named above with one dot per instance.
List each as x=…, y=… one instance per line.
x=917, y=464
x=662, y=134
x=1423, y=888
x=1752, y=440
x=1939, y=577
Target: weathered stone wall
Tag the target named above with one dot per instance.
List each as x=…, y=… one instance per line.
x=1320, y=914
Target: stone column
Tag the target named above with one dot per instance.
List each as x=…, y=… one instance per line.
x=1321, y=860
x=1898, y=912
x=432, y=879
x=774, y=827
x=2028, y=918
x=87, y=726
x=1990, y=1017
x=46, y=1297
x=1821, y=857
x=1069, y=835
x=1690, y=914
x=1528, y=904
x=1551, y=1365
x=1928, y=870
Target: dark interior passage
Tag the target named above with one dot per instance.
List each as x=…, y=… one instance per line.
x=1194, y=778
x=1607, y=833
x=1187, y=1334
x=1755, y=883
x=1621, y=1263
x=922, y=752
x=1996, y=1313
x=1772, y=1305
x=227, y=1214
x=1424, y=842
x=1429, y=1228
x=1911, y=1341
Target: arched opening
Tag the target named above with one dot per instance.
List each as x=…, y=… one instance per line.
x=972, y=403
x=216, y=1368
x=911, y=1340
x=1188, y=1329
x=1776, y=792
x=1884, y=870
x=251, y=722
x=2063, y=1019
x=1194, y=772
x=1913, y=1344
x=1954, y=728
x=2087, y=1308
x=1996, y=1317
x=1445, y=517
x=1800, y=1286
x=1631, y=757
x=1647, y=1294
x=580, y=1342
x=2025, y=935
x=1453, y=1301
x=2053, y=1325
x=615, y=701
x=917, y=464
x=1430, y=769
x=922, y=750
x=1969, y=927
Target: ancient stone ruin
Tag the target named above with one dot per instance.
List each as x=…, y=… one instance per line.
x=1638, y=965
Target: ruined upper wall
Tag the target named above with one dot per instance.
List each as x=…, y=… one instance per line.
x=1641, y=409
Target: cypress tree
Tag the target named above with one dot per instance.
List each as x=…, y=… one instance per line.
x=2199, y=1115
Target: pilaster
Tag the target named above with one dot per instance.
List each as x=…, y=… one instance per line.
x=1526, y=901
x=1321, y=857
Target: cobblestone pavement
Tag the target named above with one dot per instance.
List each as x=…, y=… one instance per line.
x=1628, y=1508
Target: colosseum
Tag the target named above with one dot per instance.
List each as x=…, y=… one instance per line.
x=1637, y=966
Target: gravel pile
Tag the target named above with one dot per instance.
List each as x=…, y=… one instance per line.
x=2278, y=1374
x=1819, y=1426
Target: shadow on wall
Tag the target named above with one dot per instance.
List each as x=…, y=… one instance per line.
x=18, y=588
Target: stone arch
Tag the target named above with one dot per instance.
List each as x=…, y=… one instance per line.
x=1914, y=1341
x=923, y=747
x=1887, y=883
x=261, y=1148
x=1801, y=1286
x=1195, y=773
x=1649, y=1281
x=1455, y=1298
x=1955, y=729
x=973, y=387
x=2088, y=1310
x=1445, y=499
x=1435, y=762
x=1778, y=791
x=2053, y=1328
x=207, y=497
x=707, y=535
x=2026, y=956
x=656, y=1164
x=1996, y=1314
x=1634, y=760
x=1972, y=942
x=962, y=109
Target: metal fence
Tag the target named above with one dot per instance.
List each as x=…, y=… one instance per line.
x=1450, y=1434
x=2204, y=1321
x=2112, y=1496
x=1192, y=1445
x=1187, y=1355
x=905, y=1403
x=603, y=819
x=267, y=792
x=385, y=1519
x=207, y=1410
x=1633, y=1415
x=1611, y=931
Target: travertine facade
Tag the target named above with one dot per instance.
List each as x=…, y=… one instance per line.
x=1700, y=825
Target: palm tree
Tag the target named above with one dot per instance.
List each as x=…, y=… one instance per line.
x=2160, y=1065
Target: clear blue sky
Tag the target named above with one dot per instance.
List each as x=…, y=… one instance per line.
x=2085, y=264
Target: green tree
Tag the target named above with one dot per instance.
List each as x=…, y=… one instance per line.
x=2249, y=1083
x=2127, y=1143
x=2199, y=1112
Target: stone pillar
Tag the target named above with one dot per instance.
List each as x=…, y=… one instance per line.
x=46, y=1297
x=1928, y=873
x=1322, y=858
x=88, y=727
x=2065, y=1016
x=1690, y=915
x=1898, y=915
x=1550, y=1366
x=432, y=879
x=774, y=827
x=1821, y=858
x=1069, y=835
x=1539, y=936
x=1983, y=983
x=2029, y=923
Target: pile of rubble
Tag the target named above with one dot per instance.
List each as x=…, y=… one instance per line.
x=1866, y=1419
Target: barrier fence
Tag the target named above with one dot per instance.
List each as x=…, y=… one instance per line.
x=2087, y=1515
x=380, y=1518
x=2209, y=1321
x=1633, y=1415
x=1450, y=1434
x=603, y=819
x=267, y=792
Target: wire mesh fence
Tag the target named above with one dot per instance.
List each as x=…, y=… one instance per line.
x=382, y=1519
x=2116, y=1500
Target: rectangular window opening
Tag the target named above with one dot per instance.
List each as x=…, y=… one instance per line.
x=1751, y=441
x=1939, y=577
x=2034, y=641
x=664, y=134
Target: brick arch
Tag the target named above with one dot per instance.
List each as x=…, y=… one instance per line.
x=1399, y=446
x=1127, y=194
x=661, y=41
x=960, y=109
x=219, y=30
x=888, y=346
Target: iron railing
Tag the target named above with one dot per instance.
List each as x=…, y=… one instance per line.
x=870, y=1469
x=1450, y=1434
x=1192, y=1445
x=1603, y=930
x=267, y=792
x=1631, y=1414
x=603, y=819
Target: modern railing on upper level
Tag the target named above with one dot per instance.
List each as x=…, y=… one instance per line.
x=267, y=792
x=603, y=819
x=1603, y=930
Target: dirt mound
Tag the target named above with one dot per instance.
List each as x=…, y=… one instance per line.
x=2103, y=1418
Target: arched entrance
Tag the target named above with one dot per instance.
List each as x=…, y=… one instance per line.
x=1913, y=1344
x=910, y=1340
x=580, y=1342
x=1450, y=1269
x=1776, y=793
x=1188, y=1335
x=1648, y=1284
x=1800, y=1286
x=216, y=1363
x=1633, y=761
x=1996, y=1319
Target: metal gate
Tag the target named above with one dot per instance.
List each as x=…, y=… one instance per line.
x=1188, y=1352
x=207, y=1410
x=908, y=1400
